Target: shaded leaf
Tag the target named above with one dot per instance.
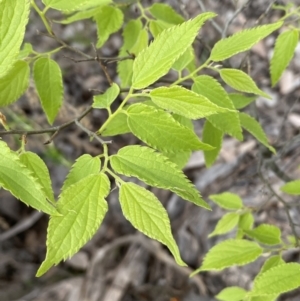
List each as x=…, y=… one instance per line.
x=214, y=137
x=226, y=122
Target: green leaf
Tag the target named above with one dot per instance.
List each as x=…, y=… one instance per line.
x=82, y=15
x=246, y=221
x=19, y=181
x=184, y=102
x=233, y=293
x=240, y=101
x=292, y=187
x=25, y=51
x=156, y=27
x=49, y=85
x=226, y=224
x=83, y=208
x=141, y=42
x=13, y=19
x=157, y=59
x=67, y=6
x=130, y=34
x=241, y=81
x=254, y=128
x=241, y=41
x=227, y=200
x=117, y=125
x=165, y=13
x=214, y=137
x=40, y=171
x=264, y=298
x=14, y=83
x=285, y=46
x=277, y=280
x=265, y=234
x=156, y=170
x=229, y=253
x=183, y=61
x=109, y=20
x=158, y=129
x=180, y=158
x=105, y=100
x=94, y=3
x=226, y=122
x=271, y=262
x=84, y=166
x=146, y=213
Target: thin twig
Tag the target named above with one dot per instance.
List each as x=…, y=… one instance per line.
x=285, y=206
x=53, y=129
x=60, y=41
x=22, y=226
x=91, y=134
x=213, y=23
x=230, y=20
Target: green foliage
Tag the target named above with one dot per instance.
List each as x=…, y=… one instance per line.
x=228, y=253
x=156, y=60
x=160, y=116
x=105, y=100
x=83, y=208
x=13, y=19
x=158, y=129
x=241, y=41
x=109, y=20
x=48, y=82
x=283, y=53
x=184, y=102
x=240, y=81
x=25, y=186
x=292, y=187
x=146, y=213
x=155, y=170
x=14, y=83
x=233, y=293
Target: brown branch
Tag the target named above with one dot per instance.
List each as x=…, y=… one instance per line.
x=54, y=129
x=91, y=134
